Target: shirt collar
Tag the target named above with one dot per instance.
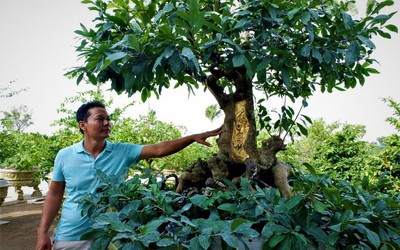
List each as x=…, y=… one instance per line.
x=80, y=149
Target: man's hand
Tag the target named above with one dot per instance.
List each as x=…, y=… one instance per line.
x=43, y=242
x=170, y=147
x=202, y=137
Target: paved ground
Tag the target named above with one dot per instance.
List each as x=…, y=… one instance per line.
x=19, y=221
x=19, y=233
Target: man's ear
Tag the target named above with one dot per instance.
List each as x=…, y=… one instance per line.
x=82, y=125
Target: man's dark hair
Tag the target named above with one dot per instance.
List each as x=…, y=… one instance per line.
x=83, y=111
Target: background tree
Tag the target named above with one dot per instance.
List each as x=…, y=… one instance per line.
x=288, y=49
x=343, y=155
x=17, y=119
x=147, y=129
x=388, y=158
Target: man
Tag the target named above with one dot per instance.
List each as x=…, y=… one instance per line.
x=75, y=168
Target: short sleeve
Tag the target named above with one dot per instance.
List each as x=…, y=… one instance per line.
x=58, y=174
x=134, y=152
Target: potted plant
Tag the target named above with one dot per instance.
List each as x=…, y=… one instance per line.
x=25, y=159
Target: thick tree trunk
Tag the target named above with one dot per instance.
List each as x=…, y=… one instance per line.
x=238, y=154
x=239, y=134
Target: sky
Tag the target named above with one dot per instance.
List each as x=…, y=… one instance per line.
x=37, y=47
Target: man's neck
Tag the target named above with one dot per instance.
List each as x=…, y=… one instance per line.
x=94, y=147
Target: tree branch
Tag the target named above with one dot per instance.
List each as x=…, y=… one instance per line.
x=216, y=90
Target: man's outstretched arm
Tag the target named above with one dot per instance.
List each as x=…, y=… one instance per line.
x=169, y=147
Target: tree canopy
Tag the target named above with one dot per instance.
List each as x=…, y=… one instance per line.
x=285, y=48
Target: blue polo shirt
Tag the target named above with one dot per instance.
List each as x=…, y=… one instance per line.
x=77, y=168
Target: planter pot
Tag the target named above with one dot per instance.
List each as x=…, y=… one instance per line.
x=3, y=190
x=19, y=179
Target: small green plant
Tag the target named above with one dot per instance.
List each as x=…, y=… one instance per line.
x=141, y=213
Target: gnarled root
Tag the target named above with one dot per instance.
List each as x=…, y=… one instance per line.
x=281, y=173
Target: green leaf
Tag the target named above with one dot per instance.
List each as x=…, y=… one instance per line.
x=168, y=52
x=175, y=62
x=384, y=34
x=205, y=241
x=151, y=237
x=153, y=225
x=361, y=220
x=188, y=221
x=228, y=207
x=230, y=239
x=392, y=28
x=327, y=56
x=133, y=42
x=309, y=120
x=94, y=234
x=238, y=60
x=286, y=77
x=372, y=70
x=352, y=53
x=310, y=169
x=118, y=226
x=381, y=19
x=319, y=206
x=199, y=200
x=305, y=51
x=237, y=222
x=243, y=227
x=165, y=242
x=188, y=53
x=275, y=240
x=317, y=232
x=294, y=201
x=310, y=29
x=371, y=235
x=116, y=56
x=194, y=244
x=167, y=8
x=347, y=19
x=101, y=243
x=293, y=12
x=317, y=55
x=370, y=5
x=366, y=41
x=305, y=17
x=80, y=77
x=145, y=94
x=336, y=227
x=268, y=230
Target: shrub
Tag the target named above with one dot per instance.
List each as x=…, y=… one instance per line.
x=322, y=215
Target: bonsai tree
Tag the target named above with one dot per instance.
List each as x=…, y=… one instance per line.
x=286, y=49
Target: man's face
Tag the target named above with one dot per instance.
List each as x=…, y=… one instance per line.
x=97, y=125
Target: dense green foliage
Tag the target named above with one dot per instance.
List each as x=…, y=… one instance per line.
x=28, y=151
x=147, y=129
x=339, y=151
x=288, y=49
x=323, y=215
